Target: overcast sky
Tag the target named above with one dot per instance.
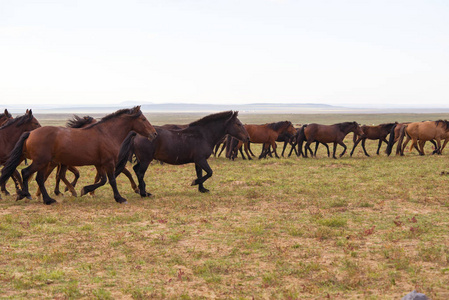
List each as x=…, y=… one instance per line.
x=353, y=53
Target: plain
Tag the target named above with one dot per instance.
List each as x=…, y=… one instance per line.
x=290, y=228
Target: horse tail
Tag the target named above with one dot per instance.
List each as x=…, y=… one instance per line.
x=391, y=140
x=15, y=158
x=126, y=151
x=401, y=138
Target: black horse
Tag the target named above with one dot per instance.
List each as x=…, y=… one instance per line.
x=193, y=144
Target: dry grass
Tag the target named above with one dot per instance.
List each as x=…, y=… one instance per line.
x=291, y=228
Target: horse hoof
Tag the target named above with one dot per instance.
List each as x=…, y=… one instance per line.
x=204, y=190
x=50, y=202
x=83, y=192
x=57, y=193
x=121, y=200
x=193, y=183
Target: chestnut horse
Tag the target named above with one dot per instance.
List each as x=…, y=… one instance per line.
x=377, y=132
x=423, y=132
x=93, y=145
x=267, y=134
x=10, y=132
x=394, y=137
x=328, y=134
x=193, y=144
x=81, y=122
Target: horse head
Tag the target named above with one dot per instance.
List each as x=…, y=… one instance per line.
x=236, y=129
x=30, y=122
x=141, y=125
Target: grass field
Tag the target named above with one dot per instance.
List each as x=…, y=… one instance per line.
x=291, y=228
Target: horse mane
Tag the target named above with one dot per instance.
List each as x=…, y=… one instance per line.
x=276, y=126
x=444, y=122
x=213, y=117
x=17, y=121
x=342, y=126
x=78, y=122
x=132, y=112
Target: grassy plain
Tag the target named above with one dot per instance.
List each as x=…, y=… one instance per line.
x=291, y=228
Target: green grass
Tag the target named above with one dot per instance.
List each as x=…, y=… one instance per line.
x=284, y=228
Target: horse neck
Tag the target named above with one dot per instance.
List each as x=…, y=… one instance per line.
x=282, y=129
x=10, y=135
x=349, y=128
x=115, y=129
x=214, y=132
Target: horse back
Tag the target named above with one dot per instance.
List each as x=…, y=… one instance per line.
x=322, y=133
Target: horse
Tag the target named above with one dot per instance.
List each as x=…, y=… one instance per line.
x=193, y=144
x=96, y=145
x=267, y=134
x=394, y=137
x=5, y=117
x=299, y=139
x=81, y=122
x=328, y=134
x=377, y=132
x=10, y=132
x=287, y=138
x=422, y=132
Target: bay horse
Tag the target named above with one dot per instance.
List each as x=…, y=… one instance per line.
x=96, y=145
x=329, y=134
x=300, y=138
x=374, y=132
x=81, y=122
x=420, y=132
x=10, y=132
x=267, y=134
x=193, y=144
x=5, y=117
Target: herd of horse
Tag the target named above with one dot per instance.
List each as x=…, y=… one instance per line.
x=108, y=145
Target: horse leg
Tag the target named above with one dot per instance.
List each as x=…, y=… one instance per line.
x=283, y=149
x=344, y=148
x=131, y=179
x=404, y=145
x=249, y=149
x=421, y=147
x=328, y=151
x=90, y=188
x=40, y=179
x=444, y=145
x=57, y=180
x=61, y=175
x=48, y=170
x=307, y=147
x=335, y=148
x=241, y=152
x=199, y=166
x=274, y=146
x=221, y=151
x=316, y=148
x=140, y=168
x=111, y=176
x=355, y=145
x=246, y=147
x=76, y=173
x=364, y=149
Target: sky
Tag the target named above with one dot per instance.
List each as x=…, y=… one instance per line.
x=381, y=53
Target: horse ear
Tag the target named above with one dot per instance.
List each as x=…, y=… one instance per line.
x=6, y=112
x=29, y=112
x=137, y=108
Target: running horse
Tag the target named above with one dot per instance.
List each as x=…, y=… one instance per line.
x=81, y=122
x=328, y=134
x=93, y=145
x=375, y=132
x=10, y=132
x=193, y=144
x=421, y=132
x=267, y=134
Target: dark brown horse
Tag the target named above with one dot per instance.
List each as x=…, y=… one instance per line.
x=93, y=145
x=10, y=132
x=328, y=134
x=193, y=144
x=377, y=132
x=81, y=122
x=267, y=134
